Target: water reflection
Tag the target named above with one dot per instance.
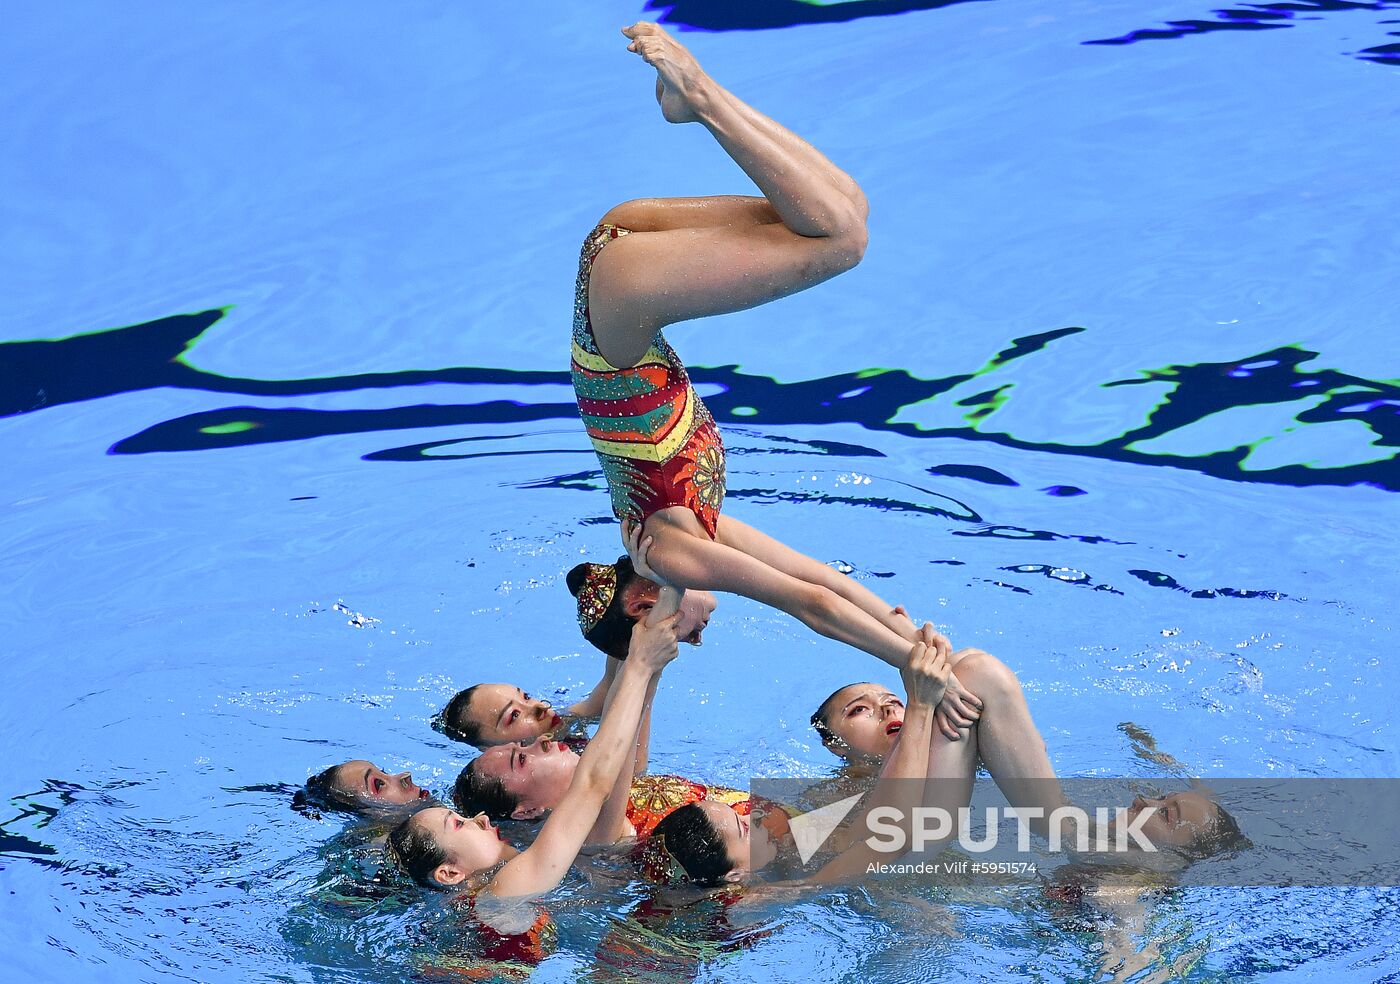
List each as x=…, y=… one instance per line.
x=1264, y=17
x=754, y=15
x=38, y=375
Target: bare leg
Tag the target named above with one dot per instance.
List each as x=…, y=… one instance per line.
x=1007, y=739
x=663, y=214
x=803, y=194
x=648, y=280
x=803, y=151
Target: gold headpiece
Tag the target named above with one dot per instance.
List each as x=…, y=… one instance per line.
x=599, y=585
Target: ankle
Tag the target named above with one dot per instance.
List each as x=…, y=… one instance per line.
x=710, y=101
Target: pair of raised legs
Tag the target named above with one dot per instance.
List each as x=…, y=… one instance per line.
x=688, y=258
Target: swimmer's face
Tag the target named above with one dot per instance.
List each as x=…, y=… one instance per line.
x=696, y=608
x=471, y=845
x=866, y=717
x=370, y=786
x=502, y=713
x=1183, y=820
x=750, y=844
x=536, y=774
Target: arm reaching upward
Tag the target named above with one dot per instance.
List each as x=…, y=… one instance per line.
x=543, y=864
x=612, y=825
x=902, y=780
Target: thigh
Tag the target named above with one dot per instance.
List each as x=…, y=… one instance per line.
x=660, y=214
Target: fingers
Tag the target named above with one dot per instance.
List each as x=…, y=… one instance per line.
x=954, y=710
x=973, y=702
x=945, y=726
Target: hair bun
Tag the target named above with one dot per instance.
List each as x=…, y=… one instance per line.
x=576, y=577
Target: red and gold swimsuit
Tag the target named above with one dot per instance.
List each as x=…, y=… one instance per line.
x=657, y=442
x=488, y=954
x=653, y=797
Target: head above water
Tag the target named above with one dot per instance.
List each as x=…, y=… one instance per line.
x=490, y=714
x=360, y=786
x=716, y=844
x=1189, y=823
x=860, y=720
x=520, y=781
x=439, y=847
x=612, y=597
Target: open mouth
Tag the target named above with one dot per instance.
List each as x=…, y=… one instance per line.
x=422, y=794
x=556, y=721
x=894, y=727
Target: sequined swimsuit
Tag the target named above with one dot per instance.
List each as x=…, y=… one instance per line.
x=653, y=797
x=657, y=442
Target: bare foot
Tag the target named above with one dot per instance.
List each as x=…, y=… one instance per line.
x=681, y=84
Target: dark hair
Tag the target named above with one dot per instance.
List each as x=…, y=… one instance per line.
x=453, y=721
x=321, y=793
x=416, y=852
x=476, y=792
x=690, y=838
x=613, y=633
x=1221, y=836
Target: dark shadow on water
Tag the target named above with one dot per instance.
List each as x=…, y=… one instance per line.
x=1263, y=17
x=38, y=375
x=756, y=15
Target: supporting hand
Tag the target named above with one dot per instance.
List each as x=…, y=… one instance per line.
x=638, y=549
x=959, y=707
x=653, y=646
x=925, y=674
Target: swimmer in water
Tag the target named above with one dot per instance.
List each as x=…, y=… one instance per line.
x=440, y=847
x=490, y=714
x=361, y=787
x=650, y=263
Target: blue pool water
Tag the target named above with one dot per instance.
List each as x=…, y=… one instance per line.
x=292, y=454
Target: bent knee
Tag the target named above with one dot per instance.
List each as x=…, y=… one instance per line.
x=850, y=244
x=984, y=674
x=637, y=214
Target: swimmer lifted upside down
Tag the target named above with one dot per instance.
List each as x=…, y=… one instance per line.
x=655, y=262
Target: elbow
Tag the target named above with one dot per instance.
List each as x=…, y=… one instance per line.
x=821, y=607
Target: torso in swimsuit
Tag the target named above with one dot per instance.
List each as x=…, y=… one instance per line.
x=657, y=442
x=490, y=954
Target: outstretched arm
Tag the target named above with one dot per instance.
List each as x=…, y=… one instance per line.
x=612, y=824
x=541, y=866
